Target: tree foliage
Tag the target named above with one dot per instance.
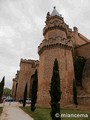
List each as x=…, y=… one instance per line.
x=79, y=63
x=7, y=92
x=2, y=87
x=25, y=95
x=34, y=91
x=55, y=92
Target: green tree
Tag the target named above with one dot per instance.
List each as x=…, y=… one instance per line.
x=7, y=92
x=2, y=87
x=34, y=91
x=55, y=92
x=75, y=93
x=25, y=95
x=79, y=63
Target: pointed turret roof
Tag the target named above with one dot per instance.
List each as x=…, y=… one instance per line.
x=55, y=12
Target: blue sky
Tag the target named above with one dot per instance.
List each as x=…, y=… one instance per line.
x=21, y=25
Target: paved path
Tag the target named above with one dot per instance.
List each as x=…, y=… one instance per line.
x=13, y=112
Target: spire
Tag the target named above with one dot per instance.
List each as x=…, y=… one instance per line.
x=55, y=12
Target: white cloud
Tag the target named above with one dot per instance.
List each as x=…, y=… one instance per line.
x=21, y=25
x=6, y=31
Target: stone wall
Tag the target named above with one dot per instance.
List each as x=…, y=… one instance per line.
x=78, y=38
x=15, y=84
x=86, y=76
x=14, y=88
x=27, y=69
x=83, y=50
x=65, y=60
x=84, y=100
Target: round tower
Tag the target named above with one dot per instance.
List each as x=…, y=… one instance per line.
x=56, y=44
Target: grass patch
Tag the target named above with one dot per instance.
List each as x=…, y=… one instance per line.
x=38, y=114
x=44, y=113
x=1, y=109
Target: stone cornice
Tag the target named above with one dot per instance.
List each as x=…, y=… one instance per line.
x=54, y=17
x=34, y=63
x=52, y=43
x=28, y=61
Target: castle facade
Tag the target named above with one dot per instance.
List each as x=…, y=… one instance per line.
x=62, y=43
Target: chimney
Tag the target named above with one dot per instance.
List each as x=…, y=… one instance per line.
x=75, y=29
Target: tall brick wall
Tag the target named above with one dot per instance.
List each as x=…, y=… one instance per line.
x=14, y=88
x=27, y=68
x=83, y=50
x=54, y=33
x=86, y=76
x=45, y=74
x=79, y=39
x=15, y=84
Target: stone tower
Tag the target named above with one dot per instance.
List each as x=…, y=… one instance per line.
x=57, y=43
x=27, y=69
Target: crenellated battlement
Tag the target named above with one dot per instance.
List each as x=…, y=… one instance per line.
x=54, y=42
x=34, y=63
x=29, y=61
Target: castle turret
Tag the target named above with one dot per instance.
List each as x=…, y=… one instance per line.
x=56, y=31
x=54, y=24
x=56, y=44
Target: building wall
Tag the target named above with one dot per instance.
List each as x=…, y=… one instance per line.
x=27, y=68
x=78, y=38
x=83, y=50
x=54, y=33
x=45, y=73
x=14, y=88
x=86, y=76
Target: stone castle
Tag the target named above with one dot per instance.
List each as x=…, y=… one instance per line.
x=59, y=42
